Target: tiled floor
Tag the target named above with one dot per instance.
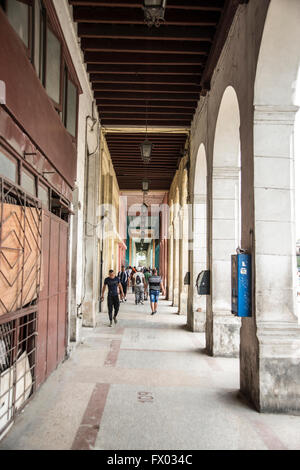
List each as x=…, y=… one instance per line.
x=146, y=384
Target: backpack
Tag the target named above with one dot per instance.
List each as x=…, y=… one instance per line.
x=138, y=280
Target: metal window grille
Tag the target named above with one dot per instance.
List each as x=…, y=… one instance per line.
x=20, y=283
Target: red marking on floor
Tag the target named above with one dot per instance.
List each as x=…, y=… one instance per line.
x=270, y=439
x=112, y=356
x=87, y=433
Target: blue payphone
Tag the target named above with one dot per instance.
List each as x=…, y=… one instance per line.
x=241, y=285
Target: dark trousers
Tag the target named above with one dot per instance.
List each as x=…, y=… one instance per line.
x=113, y=302
x=124, y=286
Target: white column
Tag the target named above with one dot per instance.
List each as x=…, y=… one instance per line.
x=176, y=261
x=198, y=258
x=184, y=260
x=223, y=328
x=276, y=362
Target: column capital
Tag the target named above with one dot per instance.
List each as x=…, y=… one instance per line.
x=199, y=199
x=275, y=114
x=279, y=339
x=226, y=172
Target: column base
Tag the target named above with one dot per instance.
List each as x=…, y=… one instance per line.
x=199, y=325
x=223, y=335
x=176, y=297
x=183, y=301
x=170, y=294
x=277, y=369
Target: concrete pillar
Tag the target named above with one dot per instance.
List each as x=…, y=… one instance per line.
x=222, y=328
x=183, y=247
x=198, y=262
x=176, y=238
x=74, y=319
x=270, y=341
x=90, y=261
x=176, y=264
x=170, y=255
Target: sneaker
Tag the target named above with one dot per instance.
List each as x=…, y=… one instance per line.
x=142, y=303
x=115, y=320
x=110, y=325
x=153, y=313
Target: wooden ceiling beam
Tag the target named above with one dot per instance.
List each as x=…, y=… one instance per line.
x=211, y=5
x=137, y=88
x=102, y=102
x=137, y=32
x=145, y=69
x=138, y=117
x=162, y=123
x=118, y=95
x=122, y=15
x=137, y=154
x=119, y=139
x=145, y=46
x=143, y=111
x=140, y=58
x=146, y=79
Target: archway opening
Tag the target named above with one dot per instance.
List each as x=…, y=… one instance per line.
x=297, y=195
x=198, y=248
x=222, y=329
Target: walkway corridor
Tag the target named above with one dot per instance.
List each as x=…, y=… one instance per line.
x=146, y=384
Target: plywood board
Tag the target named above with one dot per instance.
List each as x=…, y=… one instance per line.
x=20, y=256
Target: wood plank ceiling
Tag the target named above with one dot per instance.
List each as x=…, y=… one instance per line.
x=126, y=157
x=154, y=75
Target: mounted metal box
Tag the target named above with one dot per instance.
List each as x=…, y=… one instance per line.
x=203, y=283
x=241, y=285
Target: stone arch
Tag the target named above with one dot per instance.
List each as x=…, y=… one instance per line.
x=171, y=251
x=198, y=241
x=183, y=243
x=222, y=329
x=176, y=246
x=270, y=369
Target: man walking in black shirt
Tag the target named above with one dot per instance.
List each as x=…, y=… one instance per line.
x=124, y=279
x=113, y=302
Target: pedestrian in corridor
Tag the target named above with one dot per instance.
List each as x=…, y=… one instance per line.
x=124, y=278
x=147, y=274
x=139, y=286
x=113, y=283
x=155, y=285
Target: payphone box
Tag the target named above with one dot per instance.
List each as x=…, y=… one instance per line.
x=241, y=285
x=203, y=283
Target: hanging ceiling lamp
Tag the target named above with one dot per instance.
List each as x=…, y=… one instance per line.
x=154, y=12
x=145, y=185
x=146, y=150
x=146, y=146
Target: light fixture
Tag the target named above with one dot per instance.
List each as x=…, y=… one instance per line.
x=145, y=185
x=146, y=150
x=146, y=146
x=154, y=12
